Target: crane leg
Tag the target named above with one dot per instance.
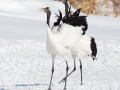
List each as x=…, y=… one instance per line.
x=53, y=58
x=69, y=73
x=81, y=72
x=66, y=75
x=51, y=76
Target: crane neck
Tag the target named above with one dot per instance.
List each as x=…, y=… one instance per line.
x=48, y=18
x=66, y=7
x=49, y=33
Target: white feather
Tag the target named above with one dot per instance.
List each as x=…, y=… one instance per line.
x=69, y=35
x=54, y=29
x=83, y=47
x=61, y=42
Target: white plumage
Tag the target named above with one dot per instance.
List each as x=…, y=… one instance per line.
x=54, y=29
x=86, y=46
x=82, y=48
x=67, y=36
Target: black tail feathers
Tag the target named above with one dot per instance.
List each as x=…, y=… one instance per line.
x=93, y=48
x=57, y=23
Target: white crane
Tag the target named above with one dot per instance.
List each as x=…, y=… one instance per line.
x=85, y=46
x=61, y=42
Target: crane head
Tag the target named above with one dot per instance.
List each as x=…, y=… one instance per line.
x=46, y=10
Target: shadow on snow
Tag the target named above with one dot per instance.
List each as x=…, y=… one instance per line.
x=19, y=85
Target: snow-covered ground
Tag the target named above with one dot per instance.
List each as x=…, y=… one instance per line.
x=25, y=63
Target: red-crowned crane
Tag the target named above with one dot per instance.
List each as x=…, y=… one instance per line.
x=85, y=46
x=62, y=42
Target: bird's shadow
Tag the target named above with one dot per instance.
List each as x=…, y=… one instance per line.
x=24, y=85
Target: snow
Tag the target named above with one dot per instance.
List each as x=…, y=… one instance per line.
x=25, y=63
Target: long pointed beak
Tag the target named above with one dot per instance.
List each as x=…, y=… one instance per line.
x=41, y=9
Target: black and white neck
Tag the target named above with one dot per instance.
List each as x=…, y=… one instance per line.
x=48, y=17
x=66, y=7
